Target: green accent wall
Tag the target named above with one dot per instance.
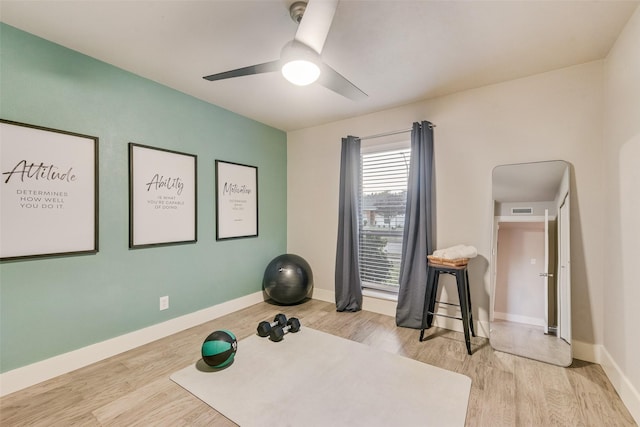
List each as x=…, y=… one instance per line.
x=54, y=305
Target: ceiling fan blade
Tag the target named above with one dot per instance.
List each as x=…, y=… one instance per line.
x=333, y=80
x=267, y=67
x=315, y=23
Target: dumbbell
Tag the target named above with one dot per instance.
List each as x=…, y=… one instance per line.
x=264, y=328
x=277, y=333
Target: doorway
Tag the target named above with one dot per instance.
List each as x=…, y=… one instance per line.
x=519, y=262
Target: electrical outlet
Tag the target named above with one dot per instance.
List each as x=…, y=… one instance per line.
x=164, y=303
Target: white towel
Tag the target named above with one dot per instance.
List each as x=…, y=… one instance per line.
x=456, y=252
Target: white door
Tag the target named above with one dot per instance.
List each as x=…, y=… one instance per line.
x=545, y=274
x=564, y=279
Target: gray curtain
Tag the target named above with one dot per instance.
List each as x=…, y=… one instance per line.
x=417, y=238
x=348, y=287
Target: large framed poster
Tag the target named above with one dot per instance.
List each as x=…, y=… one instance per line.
x=162, y=197
x=48, y=192
x=237, y=200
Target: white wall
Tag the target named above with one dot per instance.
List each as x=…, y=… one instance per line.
x=622, y=226
x=556, y=115
x=519, y=295
x=504, y=209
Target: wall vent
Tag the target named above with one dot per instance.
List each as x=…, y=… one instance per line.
x=521, y=211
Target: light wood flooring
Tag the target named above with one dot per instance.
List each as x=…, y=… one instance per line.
x=529, y=341
x=134, y=389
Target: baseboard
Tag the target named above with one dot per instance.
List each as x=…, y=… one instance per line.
x=481, y=328
x=628, y=393
x=388, y=308
x=375, y=305
x=324, y=295
x=586, y=351
x=518, y=318
x=23, y=377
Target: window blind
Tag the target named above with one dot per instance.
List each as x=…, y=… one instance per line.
x=383, y=202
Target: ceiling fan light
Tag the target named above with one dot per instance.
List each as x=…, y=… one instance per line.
x=301, y=72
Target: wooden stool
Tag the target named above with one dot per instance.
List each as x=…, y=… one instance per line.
x=462, y=281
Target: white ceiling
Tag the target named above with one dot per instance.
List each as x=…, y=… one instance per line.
x=397, y=52
x=528, y=182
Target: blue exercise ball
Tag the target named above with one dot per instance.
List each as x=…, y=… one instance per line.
x=288, y=279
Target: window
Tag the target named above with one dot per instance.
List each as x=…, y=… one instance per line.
x=385, y=172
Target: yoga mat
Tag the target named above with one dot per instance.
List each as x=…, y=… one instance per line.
x=312, y=378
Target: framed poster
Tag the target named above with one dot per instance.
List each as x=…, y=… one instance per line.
x=162, y=197
x=237, y=200
x=48, y=192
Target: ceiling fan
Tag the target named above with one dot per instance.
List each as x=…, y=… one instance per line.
x=300, y=61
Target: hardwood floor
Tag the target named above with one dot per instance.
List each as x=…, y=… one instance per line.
x=134, y=389
x=530, y=341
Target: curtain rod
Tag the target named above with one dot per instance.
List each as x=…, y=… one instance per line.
x=395, y=132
